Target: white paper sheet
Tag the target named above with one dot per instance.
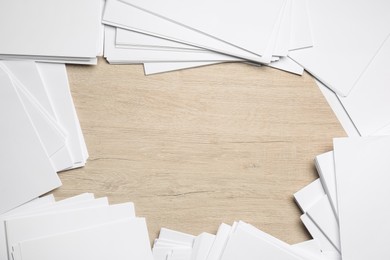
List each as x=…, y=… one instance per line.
x=338, y=110
x=27, y=161
x=367, y=104
x=324, y=217
x=150, y=68
x=133, y=55
x=220, y=241
x=132, y=38
x=309, y=195
x=317, y=234
x=362, y=166
x=202, y=246
x=282, y=45
x=125, y=16
x=325, y=168
x=175, y=236
x=32, y=90
x=31, y=227
x=301, y=36
x=32, y=34
x=249, y=30
x=56, y=82
x=28, y=75
x=25, y=208
x=345, y=42
x=247, y=243
x=126, y=239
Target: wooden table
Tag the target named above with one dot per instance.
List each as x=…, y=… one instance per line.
x=196, y=148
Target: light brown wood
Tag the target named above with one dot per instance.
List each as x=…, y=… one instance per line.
x=198, y=147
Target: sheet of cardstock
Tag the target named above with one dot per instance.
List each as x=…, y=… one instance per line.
x=340, y=44
x=32, y=90
x=90, y=61
x=312, y=246
x=30, y=227
x=249, y=30
x=28, y=75
x=132, y=38
x=125, y=239
x=317, y=234
x=81, y=197
x=202, y=246
x=275, y=241
x=367, y=104
x=178, y=254
x=27, y=161
x=309, y=195
x=308, y=250
x=282, y=44
x=24, y=209
x=162, y=243
x=301, y=36
x=324, y=217
x=362, y=167
x=285, y=64
x=128, y=17
x=220, y=241
x=288, y=65
x=56, y=82
x=134, y=55
x=100, y=39
x=162, y=253
x=311, y=250
x=74, y=203
x=151, y=68
x=338, y=110
x=248, y=245
x=61, y=37
x=52, y=139
x=176, y=236
x=325, y=168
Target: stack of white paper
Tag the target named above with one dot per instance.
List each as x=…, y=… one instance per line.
x=346, y=210
x=66, y=31
x=41, y=134
x=345, y=42
x=349, y=59
x=365, y=111
x=239, y=241
x=174, y=34
x=80, y=227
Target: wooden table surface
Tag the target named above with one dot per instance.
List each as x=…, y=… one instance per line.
x=199, y=147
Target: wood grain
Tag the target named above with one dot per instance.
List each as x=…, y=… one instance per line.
x=199, y=147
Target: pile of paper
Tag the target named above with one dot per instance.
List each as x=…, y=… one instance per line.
x=65, y=31
x=347, y=209
x=349, y=59
x=239, y=241
x=176, y=34
x=80, y=227
x=40, y=133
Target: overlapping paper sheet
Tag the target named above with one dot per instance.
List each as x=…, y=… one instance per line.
x=346, y=209
x=40, y=133
x=172, y=32
x=347, y=52
x=236, y=241
x=79, y=227
x=365, y=111
x=64, y=31
x=346, y=37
